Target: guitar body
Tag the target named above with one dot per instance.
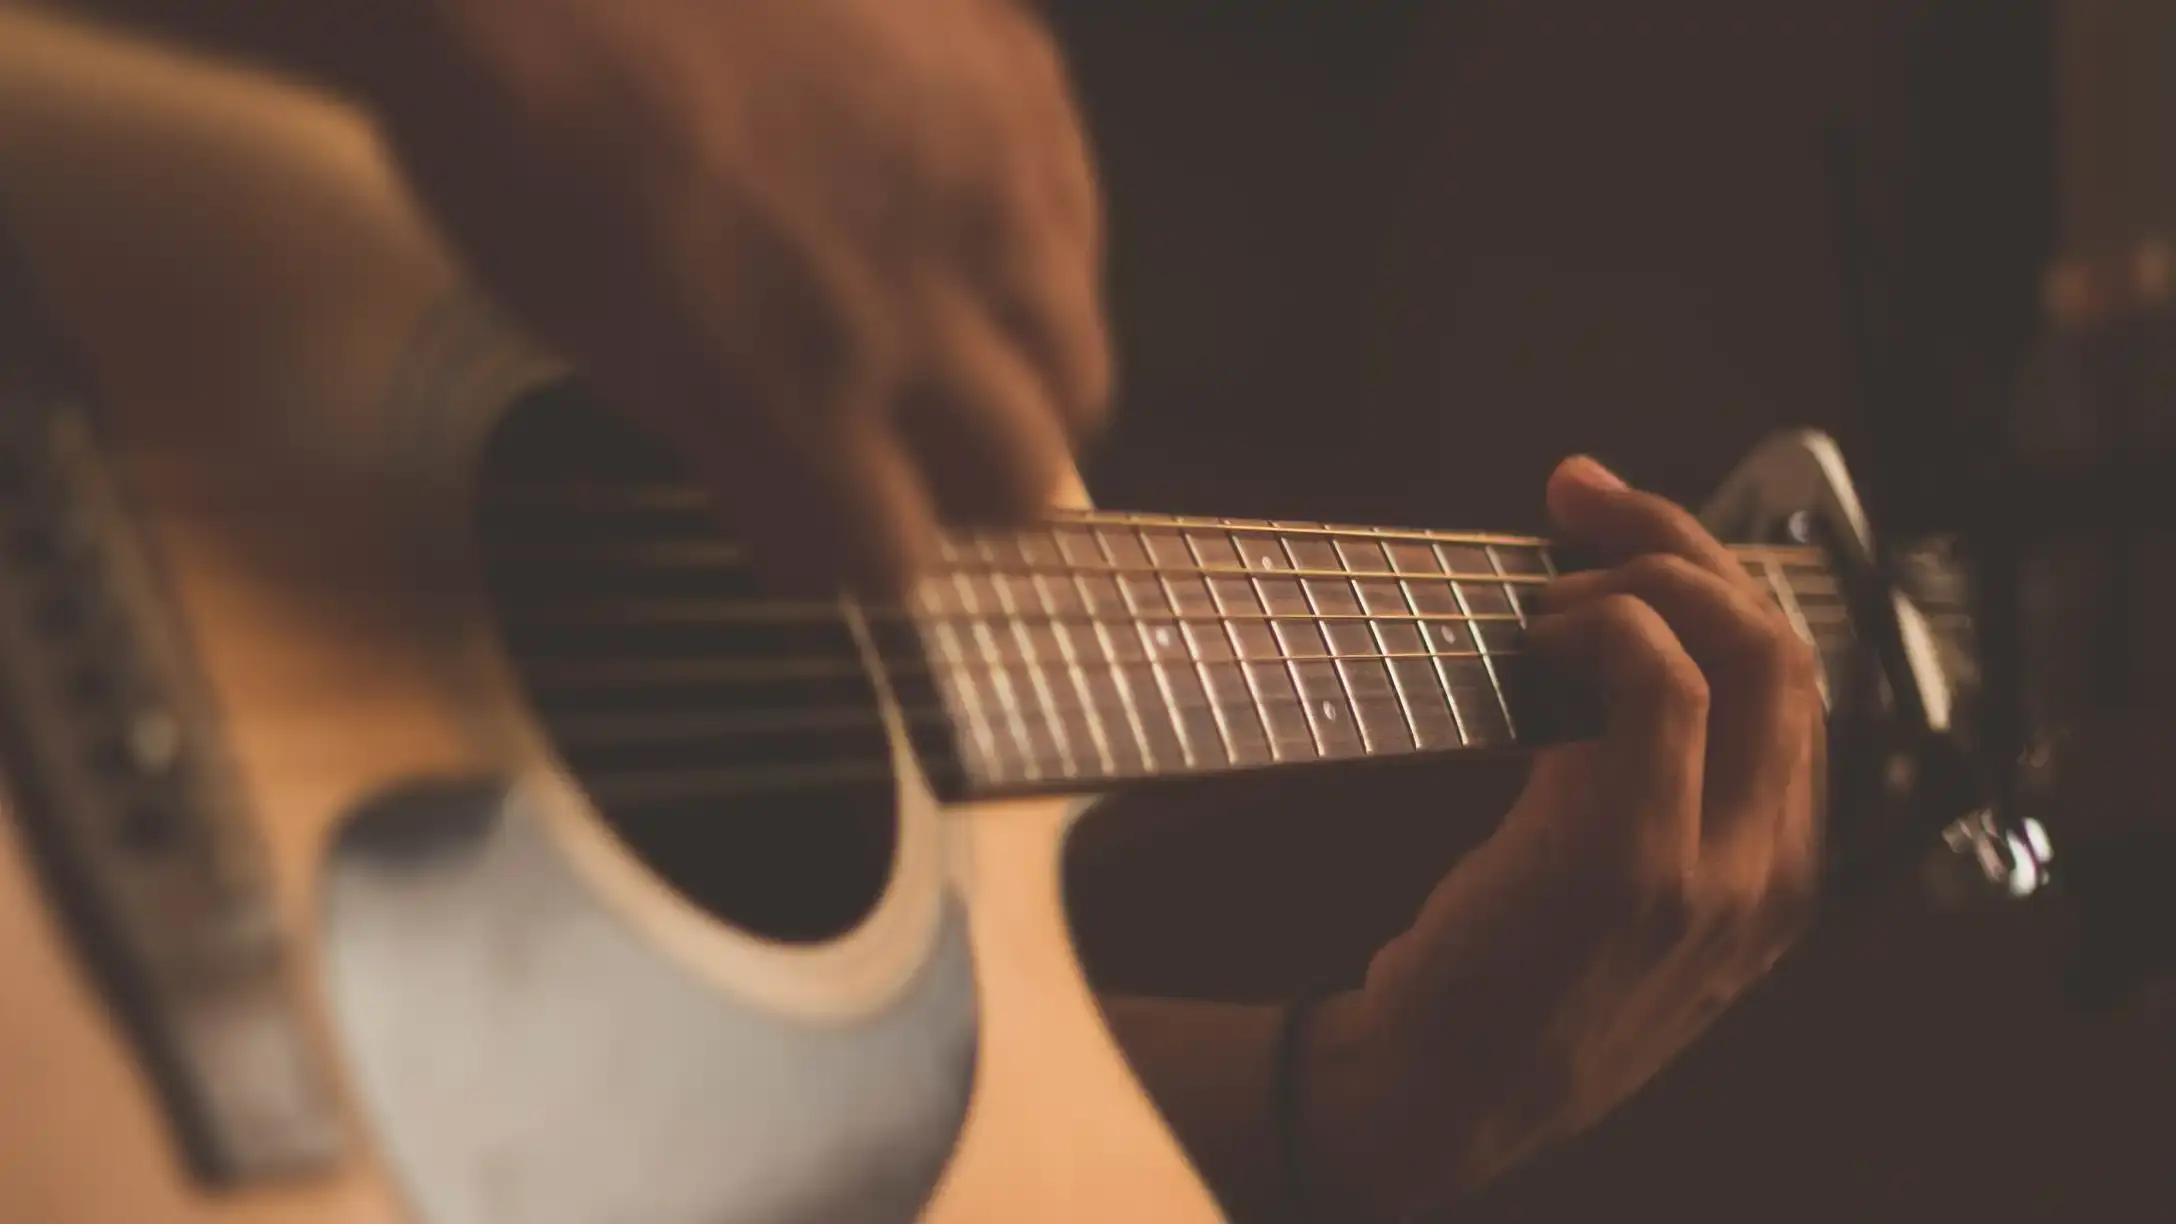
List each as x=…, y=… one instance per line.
x=513, y=1018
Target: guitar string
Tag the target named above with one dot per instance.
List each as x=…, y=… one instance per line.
x=1058, y=711
x=675, y=496
x=853, y=667
x=801, y=666
x=1031, y=765
x=928, y=603
x=554, y=687
x=563, y=673
x=704, y=556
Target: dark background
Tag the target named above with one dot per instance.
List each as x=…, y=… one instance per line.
x=1389, y=266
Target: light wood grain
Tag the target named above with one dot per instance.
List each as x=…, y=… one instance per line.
x=245, y=275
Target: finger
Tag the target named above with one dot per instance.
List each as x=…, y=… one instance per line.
x=1596, y=509
x=1655, y=717
x=1066, y=192
x=777, y=410
x=833, y=500
x=1794, y=882
x=1038, y=279
x=1759, y=677
x=856, y=510
x=979, y=420
x=1046, y=296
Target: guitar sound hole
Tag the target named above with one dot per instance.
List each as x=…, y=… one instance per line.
x=731, y=739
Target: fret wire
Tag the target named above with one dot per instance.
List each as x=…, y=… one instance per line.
x=1804, y=553
x=1335, y=667
x=1154, y=663
x=1113, y=658
x=1221, y=712
x=1228, y=716
x=1480, y=643
x=1246, y=702
x=1247, y=666
x=1186, y=522
x=1404, y=715
x=1347, y=667
x=1340, y=663
x=757, y=612
x=1040, y=759
x=1467, y=736
x=1308, y=713
x=653, y=496
x=1001, y=684
x=709, y=554
x=1079, y=675
x=1779, y=585
x=562, y=675
x=1518, y=610
x=703, y=554
x=979, y=726
x=1036, y=679
x=1504, y=578
x=1208, y=570
x=1398, y=684
x=1471, y=730
x=1037, y=759
x=662, y=495
x=1281, y=657
x=1488, y=664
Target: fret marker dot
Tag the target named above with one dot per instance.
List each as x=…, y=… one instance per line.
x=1163, y=635
x=1329, y=712
x=1450, y=634
x=1268, y=562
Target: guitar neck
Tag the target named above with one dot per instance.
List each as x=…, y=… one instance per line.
x=1106, y=648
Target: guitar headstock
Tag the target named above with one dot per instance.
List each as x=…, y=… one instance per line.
x=1962, y=715
x=1902, y=682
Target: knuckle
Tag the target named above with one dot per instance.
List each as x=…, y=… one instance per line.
x=1798, y=667
x=1627, y=621
x=1088, y=373
x=1662, y=905
x=1030, y=480
x=1663, y=569
x=1635, y=628
x=1793, y=894
x=1779, y=660
x=1672, y=523
x=1732, y=904
x=1682, y=685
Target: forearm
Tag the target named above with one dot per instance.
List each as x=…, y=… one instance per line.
x=1210, y=1068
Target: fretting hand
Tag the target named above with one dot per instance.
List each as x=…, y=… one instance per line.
x=843, y=254
x=1643, y=880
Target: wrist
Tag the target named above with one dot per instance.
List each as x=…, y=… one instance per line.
x=1345, y=1107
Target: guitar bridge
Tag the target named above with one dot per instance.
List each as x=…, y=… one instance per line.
x=114, y=774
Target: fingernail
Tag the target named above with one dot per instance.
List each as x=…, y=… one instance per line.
x=1590, y=470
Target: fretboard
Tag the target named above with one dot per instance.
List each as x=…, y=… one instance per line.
x=1105, y=648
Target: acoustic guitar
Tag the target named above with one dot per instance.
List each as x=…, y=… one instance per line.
x=362, y=687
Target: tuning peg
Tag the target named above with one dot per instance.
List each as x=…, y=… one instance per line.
x=1984, y=859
